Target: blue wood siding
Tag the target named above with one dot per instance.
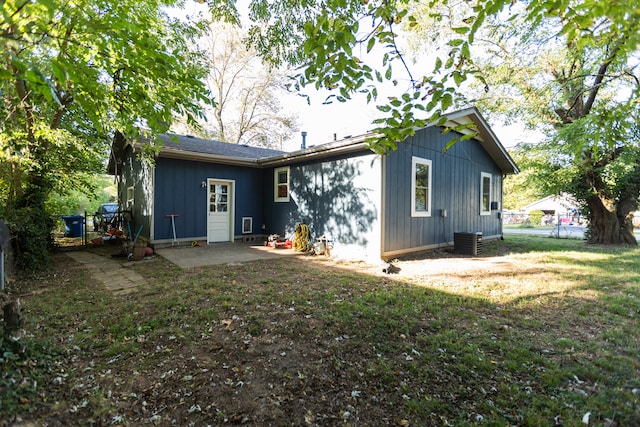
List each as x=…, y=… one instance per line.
x=456, y=177
x=178, y=190
x=338, y=197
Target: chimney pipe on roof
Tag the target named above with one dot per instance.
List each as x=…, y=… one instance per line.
x=335, y=136
x=304, y=140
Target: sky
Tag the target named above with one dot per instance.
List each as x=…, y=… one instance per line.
x=321, y=122
x=353, y=118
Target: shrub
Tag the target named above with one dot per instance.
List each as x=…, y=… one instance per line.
x=536, y=217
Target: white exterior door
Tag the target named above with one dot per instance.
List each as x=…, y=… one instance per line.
x=220, y=211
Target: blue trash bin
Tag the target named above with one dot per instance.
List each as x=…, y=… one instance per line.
x=73, y=225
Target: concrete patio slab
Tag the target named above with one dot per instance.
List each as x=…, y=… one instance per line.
x=186, y=256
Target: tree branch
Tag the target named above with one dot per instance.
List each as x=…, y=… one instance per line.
x=610, y=157
x=599, y=77
x=65, y=99
x=23, y=94
x=395, y=47
x=57, y=117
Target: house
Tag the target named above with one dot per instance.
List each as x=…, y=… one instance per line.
x=555, y=204
x=560, y=208
x=552, y=205
x=377, y=206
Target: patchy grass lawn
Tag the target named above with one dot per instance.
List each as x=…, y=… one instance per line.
x=536, y=331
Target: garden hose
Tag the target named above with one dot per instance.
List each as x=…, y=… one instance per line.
x=301, y=238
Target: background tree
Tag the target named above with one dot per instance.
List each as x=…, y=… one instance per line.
x=527, y=186
x=72, y=72
x=605, y=173
x=82, y=199
x=585, y=98
x=247, y=108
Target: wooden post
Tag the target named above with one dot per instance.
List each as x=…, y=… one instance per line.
x=12, y=317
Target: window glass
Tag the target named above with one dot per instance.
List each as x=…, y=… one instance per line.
x=421, y=187
x=218, y=197
x=485, y=194
x=281, y=181
x=130, y=196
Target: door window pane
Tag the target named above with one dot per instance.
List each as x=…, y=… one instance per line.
x=218, y=198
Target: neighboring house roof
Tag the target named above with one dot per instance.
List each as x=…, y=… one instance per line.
x=192, y=148
x=556, y=203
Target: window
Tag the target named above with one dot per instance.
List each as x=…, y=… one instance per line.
x=281, y=184
x=130, y=196
x=420, y=187
x=485, y=193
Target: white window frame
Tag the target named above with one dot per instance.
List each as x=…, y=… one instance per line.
x=415, y=161
x=276, y=184
x=130, y=196
x=485, y=209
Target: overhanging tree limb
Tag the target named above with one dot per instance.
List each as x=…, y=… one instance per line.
x=602, y=71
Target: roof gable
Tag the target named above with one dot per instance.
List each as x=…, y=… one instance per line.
x=484, y=135
x=480, y=129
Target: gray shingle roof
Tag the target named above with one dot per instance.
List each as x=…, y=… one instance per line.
x=193, y=148
x=191, y=144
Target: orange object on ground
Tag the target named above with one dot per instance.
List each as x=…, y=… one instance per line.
x=287, y=244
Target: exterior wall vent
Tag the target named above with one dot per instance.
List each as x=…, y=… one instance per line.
x=467, y=243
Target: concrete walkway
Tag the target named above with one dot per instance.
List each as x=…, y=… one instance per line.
x=110, y=272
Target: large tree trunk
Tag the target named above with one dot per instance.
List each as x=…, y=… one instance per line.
x=608, y=225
